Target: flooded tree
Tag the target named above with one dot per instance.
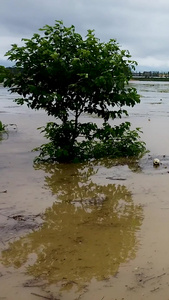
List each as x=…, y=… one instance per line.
x=67, y=76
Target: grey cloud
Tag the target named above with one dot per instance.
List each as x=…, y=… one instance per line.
x=139, y=26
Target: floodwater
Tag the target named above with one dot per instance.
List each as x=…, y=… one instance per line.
x=88, y=231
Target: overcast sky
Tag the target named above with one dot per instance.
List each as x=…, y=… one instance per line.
x=140, y=26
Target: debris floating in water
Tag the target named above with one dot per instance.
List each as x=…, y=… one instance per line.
x=156, y=162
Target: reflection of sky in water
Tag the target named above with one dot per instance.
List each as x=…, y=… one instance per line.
x=154, y=99
x=87, y=233
x=6, y=99
x=7, y=104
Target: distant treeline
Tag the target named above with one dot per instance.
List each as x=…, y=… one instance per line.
x=151, y=75
x=5, y=71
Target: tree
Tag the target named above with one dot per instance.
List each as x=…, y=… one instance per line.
x=67, y=76
x=3, y=73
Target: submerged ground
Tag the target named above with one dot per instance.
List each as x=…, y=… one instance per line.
x=87, y=231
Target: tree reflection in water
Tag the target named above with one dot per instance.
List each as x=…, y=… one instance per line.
x=87, y=233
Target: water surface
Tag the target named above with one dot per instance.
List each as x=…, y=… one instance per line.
x=104, y=224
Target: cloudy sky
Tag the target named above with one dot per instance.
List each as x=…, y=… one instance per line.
x=140, y=26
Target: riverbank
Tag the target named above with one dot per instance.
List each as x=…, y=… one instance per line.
x=150, y=79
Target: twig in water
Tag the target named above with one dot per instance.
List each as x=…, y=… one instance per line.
x=115, y=178
x=149, y=279
x=161, y=275
x=155, y=289
x=41, y=296
x=153, y=277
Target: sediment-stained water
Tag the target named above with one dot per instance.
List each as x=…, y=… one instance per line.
x=85, y=231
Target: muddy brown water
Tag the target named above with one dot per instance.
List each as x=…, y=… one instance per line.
x=87, y=231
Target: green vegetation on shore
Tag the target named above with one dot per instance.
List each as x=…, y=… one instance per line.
x=3, y=73
x=150, y=79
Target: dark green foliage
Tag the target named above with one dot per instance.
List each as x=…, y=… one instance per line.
x=66, y=76
x=3, y=73
x=97, y=142
x=2, y=127
x=3, y=131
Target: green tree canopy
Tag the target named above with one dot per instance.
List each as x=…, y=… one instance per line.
x=67, y=75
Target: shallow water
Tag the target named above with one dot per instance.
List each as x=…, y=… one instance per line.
x=87, y=233
x=104, y=230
